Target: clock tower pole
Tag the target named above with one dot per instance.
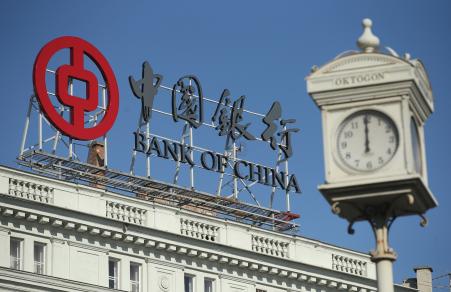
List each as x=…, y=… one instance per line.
x=373, y=105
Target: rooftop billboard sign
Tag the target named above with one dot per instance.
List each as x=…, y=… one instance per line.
x=88, y=115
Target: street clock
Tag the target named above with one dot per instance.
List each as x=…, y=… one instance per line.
x=374, y=105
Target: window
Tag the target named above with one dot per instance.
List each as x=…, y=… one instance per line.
x=113, y=273
x=208, y=285
x=39, y=258
x=134, y=277
x=260, y=290
x=189, y=283
x=15, y=252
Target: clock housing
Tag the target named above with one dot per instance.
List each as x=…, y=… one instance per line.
x=395, y=89
x=391, y=87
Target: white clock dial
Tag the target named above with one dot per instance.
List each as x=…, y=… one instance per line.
x=367, y=140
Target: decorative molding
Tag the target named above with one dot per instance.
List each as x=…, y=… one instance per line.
x=57, y=240
x=164, y=264
x=236, y=279
x=275, y=271
x=30, y=191
x=348, y=265
x=88, y=247
x=5, y=229
x=270, y=246
x=357, y=61
x=18, y=280
x=125, y=213
x=199, y=230
x=164, y=283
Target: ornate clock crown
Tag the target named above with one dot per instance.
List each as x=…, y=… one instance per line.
x=368, y=42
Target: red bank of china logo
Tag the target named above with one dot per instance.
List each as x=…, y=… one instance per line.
x=75, y=128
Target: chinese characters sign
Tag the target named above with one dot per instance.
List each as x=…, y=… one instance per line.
x=92, y=116
x=187, y=104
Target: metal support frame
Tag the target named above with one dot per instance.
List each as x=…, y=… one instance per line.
x=380, y=217
x=191, y=144
x=86, y=174
x=27, y=124
x=383, y=255
x=178, y=163
x=279, y=161
x=231, y=152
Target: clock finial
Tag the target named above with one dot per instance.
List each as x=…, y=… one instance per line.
x=368, y=42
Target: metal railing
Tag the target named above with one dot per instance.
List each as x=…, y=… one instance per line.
x=15, y=263
x=112, y=282
x=134, y=286
x=39, y=267
x=177, y=196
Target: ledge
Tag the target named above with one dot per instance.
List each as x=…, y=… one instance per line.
x=283, y=274
x=31, y=282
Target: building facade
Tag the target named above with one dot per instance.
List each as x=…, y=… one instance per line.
x=61, y=236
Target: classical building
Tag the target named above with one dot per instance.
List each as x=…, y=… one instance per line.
x=61, y=236
x=74, y=226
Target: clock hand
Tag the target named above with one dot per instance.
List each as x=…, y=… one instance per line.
x=367, y=141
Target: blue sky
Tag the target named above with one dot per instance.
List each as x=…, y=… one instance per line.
x=264, y=50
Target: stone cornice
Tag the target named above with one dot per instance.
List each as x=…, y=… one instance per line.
x=87, y=246
x=236, y=279
x=76, y=189
x=164, y=263
x=31, y=282
x=11, y=173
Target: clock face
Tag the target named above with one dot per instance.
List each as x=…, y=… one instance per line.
x=367, y=140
